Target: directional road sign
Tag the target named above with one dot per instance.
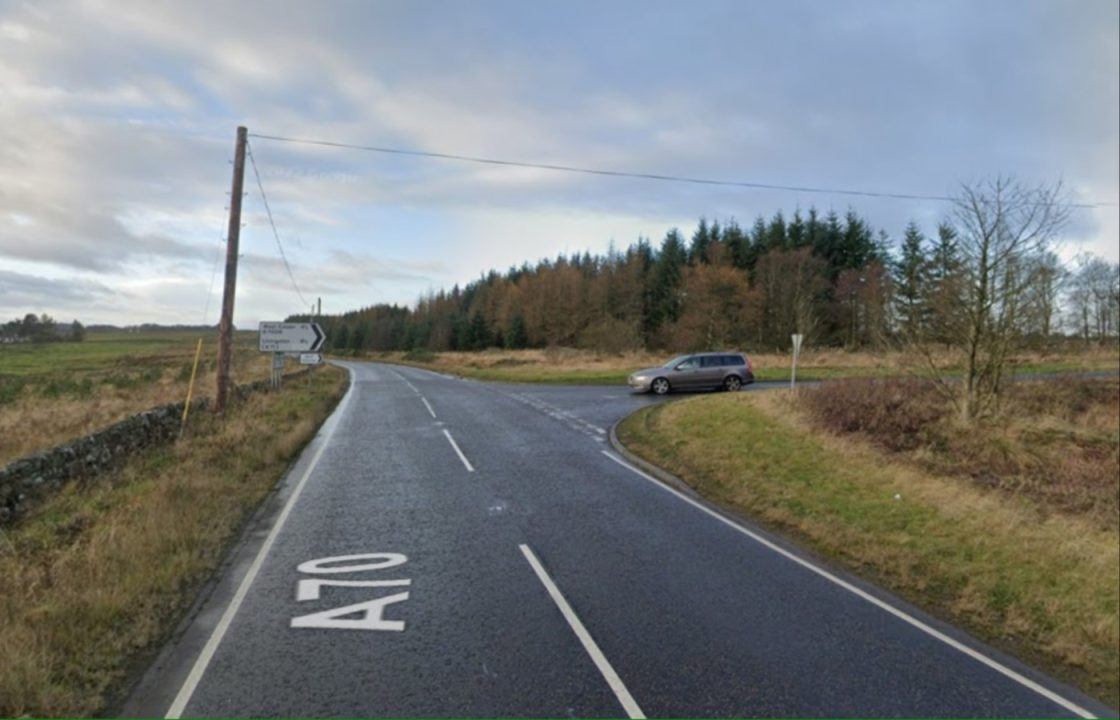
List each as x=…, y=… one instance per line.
x=290, y=337
x=310, y=359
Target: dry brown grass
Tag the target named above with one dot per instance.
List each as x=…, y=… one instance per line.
x=104, y=570
x=1057, y=441
x=61, y=405
x=567, y=365
x=1040, y=584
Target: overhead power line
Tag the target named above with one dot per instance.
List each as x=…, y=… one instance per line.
x=275, y=234
x=623, y=174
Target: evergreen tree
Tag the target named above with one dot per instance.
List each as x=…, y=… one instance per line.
x=701, y=240
x=341, y=339
x=358, y=337
x=478, y=334
x=738, y=245
x=911, y=273
x=776, y=238
x=667, y=275
x=517, y=337
x=947, y=285
x=858, y=247
x=945, y=260
x=796, y=231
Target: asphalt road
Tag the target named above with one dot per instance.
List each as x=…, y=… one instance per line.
x=511, y=563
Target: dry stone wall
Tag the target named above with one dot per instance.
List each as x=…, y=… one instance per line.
x=27, y=480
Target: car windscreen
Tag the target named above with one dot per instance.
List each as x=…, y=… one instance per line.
x=676, y=361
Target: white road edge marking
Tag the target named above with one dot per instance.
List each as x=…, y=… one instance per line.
x=207, y=654
x=430, y=410
x=600, y=660
x=909, y=619
x=470, y=468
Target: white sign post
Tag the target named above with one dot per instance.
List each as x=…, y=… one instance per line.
x=796, y=337
x=277, y=369
x=310, y=359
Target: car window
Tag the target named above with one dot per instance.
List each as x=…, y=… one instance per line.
x=711, y=361
x=675, y=361
x=689, y=364
x=735, y=360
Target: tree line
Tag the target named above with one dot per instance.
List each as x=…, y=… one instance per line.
x=834, y=279
x=41, y=328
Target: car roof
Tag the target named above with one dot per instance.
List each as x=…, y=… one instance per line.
x=716, y=352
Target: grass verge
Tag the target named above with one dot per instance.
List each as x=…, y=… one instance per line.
x=1042, y=585
x=103, y=571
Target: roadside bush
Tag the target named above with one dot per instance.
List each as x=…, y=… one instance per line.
x=1055, y=441
x=420, y=355
x=896, y=413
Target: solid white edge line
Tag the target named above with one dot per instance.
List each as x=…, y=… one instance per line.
x=915, y=622
x=207, y=654
x=430, y=410
x=470, y=468
x=600, y=660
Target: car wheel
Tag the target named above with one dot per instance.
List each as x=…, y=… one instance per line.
x=660, y=386
x=732, y=383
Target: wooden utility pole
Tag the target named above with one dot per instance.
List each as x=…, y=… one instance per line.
x=233, y=236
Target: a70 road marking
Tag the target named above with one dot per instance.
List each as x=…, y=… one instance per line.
x=373, y=611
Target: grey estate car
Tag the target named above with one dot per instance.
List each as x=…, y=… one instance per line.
x=700, y=371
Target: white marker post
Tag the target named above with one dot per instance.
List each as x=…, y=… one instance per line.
x=796, y=337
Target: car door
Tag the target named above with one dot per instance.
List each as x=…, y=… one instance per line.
x=711, y=371
x=686, y=375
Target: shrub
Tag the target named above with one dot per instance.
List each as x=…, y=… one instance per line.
x=420, y=355
x=899, y=414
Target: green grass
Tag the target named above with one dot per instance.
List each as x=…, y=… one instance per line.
x=105, y=349
x=102, y=572
x=1043, y=585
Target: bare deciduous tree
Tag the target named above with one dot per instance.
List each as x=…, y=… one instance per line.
x=1004, y=229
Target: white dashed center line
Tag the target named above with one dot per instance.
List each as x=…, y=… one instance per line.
x=467, y=463
x=597, y=656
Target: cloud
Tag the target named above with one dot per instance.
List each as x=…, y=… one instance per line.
x=116, y=127
x=19, y=290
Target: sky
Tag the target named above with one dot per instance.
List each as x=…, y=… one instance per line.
x=117, y=126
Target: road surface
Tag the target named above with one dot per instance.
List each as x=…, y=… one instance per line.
x=454, y=548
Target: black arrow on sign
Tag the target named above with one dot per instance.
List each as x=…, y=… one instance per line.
x=319, y=337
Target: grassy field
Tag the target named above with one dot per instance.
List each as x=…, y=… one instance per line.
x=53, y=392
x=565, y=365
x=1029, y=573
x=103, y=571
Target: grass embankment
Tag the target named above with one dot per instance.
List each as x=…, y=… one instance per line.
x=54, y=392
x=1027, y=572
x=569, y=366
x=104, y=570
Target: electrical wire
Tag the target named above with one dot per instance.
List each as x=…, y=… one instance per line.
x=623, y=174
x=275, y=234
x=213, y=275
